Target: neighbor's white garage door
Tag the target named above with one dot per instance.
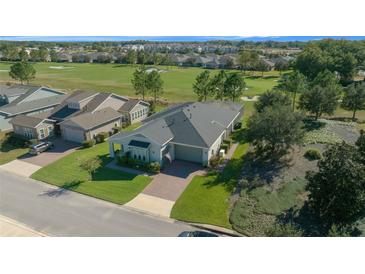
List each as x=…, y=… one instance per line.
x=186, y=153
x=73, y=135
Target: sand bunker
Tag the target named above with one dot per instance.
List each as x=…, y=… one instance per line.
x=60, y=67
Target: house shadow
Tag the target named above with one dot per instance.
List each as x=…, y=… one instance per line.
x=105, y=173
x=64, y=189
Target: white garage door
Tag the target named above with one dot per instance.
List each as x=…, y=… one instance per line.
x=191, y=154
x=73, y=135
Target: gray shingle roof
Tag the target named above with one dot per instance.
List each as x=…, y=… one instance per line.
x=130, y=104
x=27, y=121
x=90, y=120
x=195, y=124
x=96, y=101
x=15, y=90
x=25, y=107
x=80, y=95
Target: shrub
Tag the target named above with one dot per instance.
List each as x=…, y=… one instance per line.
x=154, y=167
x=32, y=142
x=15, y=140
x=225, y=147
x=89, y=143
x=100, y=137
x=115, y=130
x=228, y=142
x=237, y=126
x=214, y=161
x=125, y=124
x=313, y=154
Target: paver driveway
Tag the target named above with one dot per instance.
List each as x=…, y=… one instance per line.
x=61, y=149
x=27, y=164
x=161, y=194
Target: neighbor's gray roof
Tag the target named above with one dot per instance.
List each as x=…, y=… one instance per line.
x=196, y=124
x=80, y=95
x=16, y=90
x=96, y=101
x=62, y=111
x=25, y=107
x=90, y=120
x=130, y=104
x=27, y=121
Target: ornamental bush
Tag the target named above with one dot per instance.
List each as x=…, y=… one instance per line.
x=313, y=154
x=89, y=143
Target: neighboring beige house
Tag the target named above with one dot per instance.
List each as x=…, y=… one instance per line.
x=33, y=127
x=135, y=111
x=82, y=115
x=86, y=126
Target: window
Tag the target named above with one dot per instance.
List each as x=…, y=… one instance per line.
x=41, y=133
x=28, y=133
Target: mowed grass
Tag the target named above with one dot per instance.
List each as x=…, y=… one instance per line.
x=206, y=199
x=107, y=184
x=117, y=78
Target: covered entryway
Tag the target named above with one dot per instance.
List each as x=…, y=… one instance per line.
x=190, y=154
x=73, y=135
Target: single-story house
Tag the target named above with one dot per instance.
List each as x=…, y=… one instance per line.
x=87, y=125
x=83, y=114
x=191, y=132
x=27, y=100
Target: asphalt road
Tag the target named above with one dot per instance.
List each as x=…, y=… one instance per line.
x=57, y=212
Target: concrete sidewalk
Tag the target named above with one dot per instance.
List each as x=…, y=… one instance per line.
x=20, y=167
x=11, y=228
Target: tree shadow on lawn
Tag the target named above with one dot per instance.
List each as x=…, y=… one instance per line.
x=263, y=170
x=64, y=189
x=310, y=124
x=108, y=174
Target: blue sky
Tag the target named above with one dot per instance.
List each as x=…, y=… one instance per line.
x=173, y=38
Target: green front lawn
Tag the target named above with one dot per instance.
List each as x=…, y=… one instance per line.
x=107, y=184
x=206, y=199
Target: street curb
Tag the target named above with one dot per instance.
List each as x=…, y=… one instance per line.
x=217, y=229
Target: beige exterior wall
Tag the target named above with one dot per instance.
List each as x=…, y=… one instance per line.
x=104, y=128
x=42, y=131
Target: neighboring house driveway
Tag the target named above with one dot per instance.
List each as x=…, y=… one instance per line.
x=166, y=187
x=27, y=164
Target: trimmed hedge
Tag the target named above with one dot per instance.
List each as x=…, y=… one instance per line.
x=89, y=143
x=100, y=137
x=153, y=167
